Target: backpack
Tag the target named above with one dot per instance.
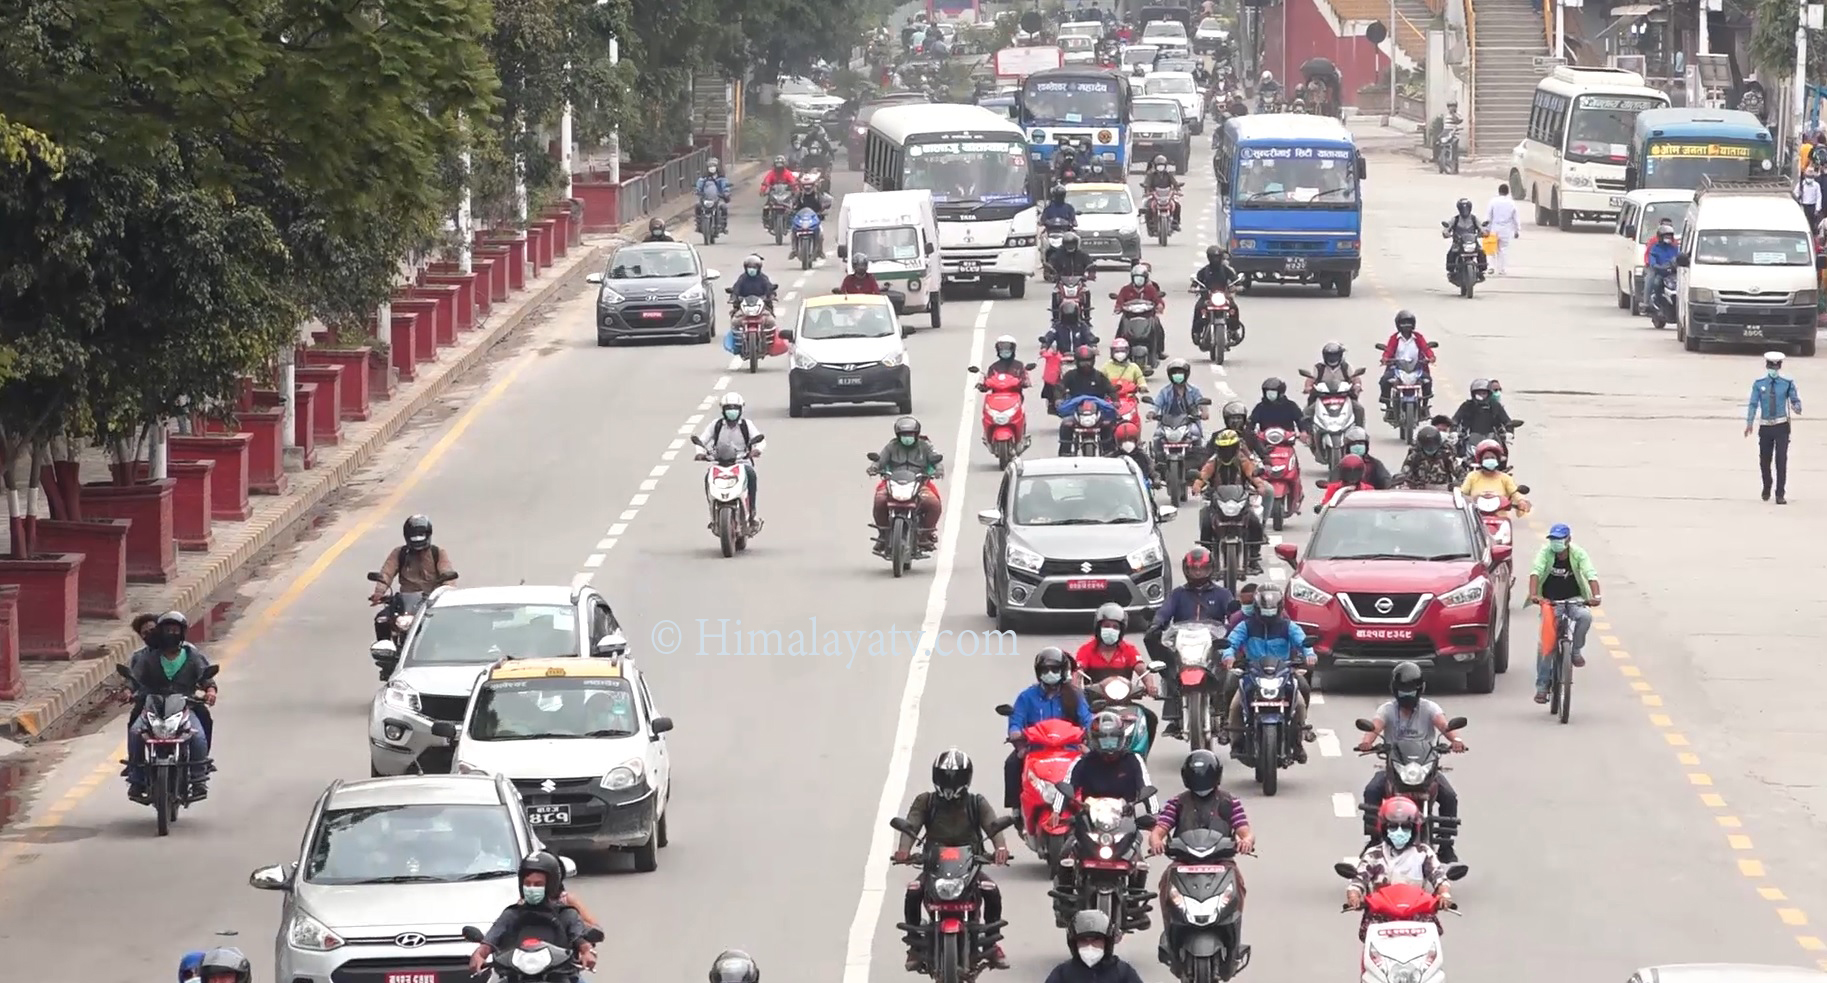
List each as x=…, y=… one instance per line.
x=748, y=436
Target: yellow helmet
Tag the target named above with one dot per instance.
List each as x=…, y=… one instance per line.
x=1227, y=438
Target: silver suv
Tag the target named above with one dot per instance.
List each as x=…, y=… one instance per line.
x=392, y=870
x=459, y=633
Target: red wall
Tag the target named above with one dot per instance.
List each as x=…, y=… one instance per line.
x=1295, y=31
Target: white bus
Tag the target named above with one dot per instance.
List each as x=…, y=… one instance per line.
x=975, y=163
x=1571, y=164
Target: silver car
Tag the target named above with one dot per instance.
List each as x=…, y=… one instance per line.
x=1070, y=534
x=391, y=871
x=459, y=633
x=655, y=290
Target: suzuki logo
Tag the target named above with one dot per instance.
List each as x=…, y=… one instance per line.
x=410, y=940
x=1384, y=605
x=1085, y=567
x=549, y=785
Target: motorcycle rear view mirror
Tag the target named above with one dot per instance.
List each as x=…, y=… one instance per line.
x=697, y=440
x=1433, y=344
x=444, y=729
x=209, y=674
x=124, y=672
x=472, y=934
x=1030, y=366
x=1359, y=372
x=1149, y=792
x=1522, y=489
x=1515, y=423
x=1113, y=296
x=1364, y=725
x=1455, y=723
x=1304, y=373
x=843, y=251
x=1150, y=400
x=973, y=369
x=1379, y=346
x=1004, y=710
x=1457, y=872
x=902, y=826
x=1344, y=870
x=447, y=576
x=375, y=575
x=594, y=935
x=1156, y=665
x=1320, y=483
x=873, y=456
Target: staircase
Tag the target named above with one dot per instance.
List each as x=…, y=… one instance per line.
x=1410, y=28
x=1507, y=40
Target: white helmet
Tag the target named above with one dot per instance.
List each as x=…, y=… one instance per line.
x=1005, y=341
x=730, y=401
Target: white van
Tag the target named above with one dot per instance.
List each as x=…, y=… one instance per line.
x=899, y=232
x=1747, y=272
x=1639, y=212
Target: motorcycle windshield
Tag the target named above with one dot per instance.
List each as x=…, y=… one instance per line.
x=1410, y=750
x=950, y=861
x=904, y=475
x=1201, y=846
x=1201, y=883
x=1105, y=815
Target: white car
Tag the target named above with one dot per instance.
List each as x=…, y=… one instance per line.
x=1180, y=87
x=1138, y=56
x=1109, y=227
x=1166, y=35
x=806, y=98
x=1211, y=35
x=584, y=747
x=848, y=348
x=1157, y=125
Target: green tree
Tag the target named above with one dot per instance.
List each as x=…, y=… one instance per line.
x=1773, y=39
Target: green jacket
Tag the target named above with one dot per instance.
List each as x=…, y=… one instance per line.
x=1582, y=567
x=920, y=456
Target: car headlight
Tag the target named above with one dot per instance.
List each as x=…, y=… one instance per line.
x=804, y=362
x=1412, y=773
x=1306, y=593
x=1701, y=295
x=1018, y=241
x=898, y=358
x=948, y=888
x=625, y=776
x=1471, y=593
x=306, y=932
x=609, y=298
x=401, y=697
x=1147, y=556
x=532, y=962
x=1805, y=298
x=693, y=294
x=1025, y=560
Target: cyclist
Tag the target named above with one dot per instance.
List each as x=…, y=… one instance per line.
x=1563, y=572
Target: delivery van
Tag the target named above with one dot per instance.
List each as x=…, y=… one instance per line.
x=1746, y=273
x=899, y=232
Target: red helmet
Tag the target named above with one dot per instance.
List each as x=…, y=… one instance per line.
x=1128, y=431
x=1197, y=564
x=1351, y=461
x=1084, y=353
x=1398, y=810
x=1489, y=448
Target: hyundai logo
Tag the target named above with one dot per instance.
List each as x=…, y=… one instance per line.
x=551, y=786
x=1085, y=567
x=1384, y=605
x=410, y=940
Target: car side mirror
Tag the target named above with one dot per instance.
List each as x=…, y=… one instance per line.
x=278, y=877
x=594, y=278
x=444, y=729
x=1004, y=710
x=929, y=249
x=1363, y=170
x=612, y=644
x=710, y=275
x=1167, y=513
x=786, y=334
x=1344, y=870
x=1364, y=725
x=1287, y=553
x=662, y=725
x=843, y=252
x=569, y=866
x=1684, y=261
x=990, y=517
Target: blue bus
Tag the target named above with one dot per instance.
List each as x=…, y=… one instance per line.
x=1077, y=105
x=1681, y=148
x=1289, y=208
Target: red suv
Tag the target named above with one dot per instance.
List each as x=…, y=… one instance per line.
x=1404, y=576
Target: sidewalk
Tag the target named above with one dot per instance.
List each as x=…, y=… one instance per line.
x=55, y=690
x=1396, y=134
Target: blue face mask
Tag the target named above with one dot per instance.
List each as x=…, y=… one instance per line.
x=908, y=441
x=532, y=895
x=1359, y=449
x=1772, y=373
x=1270, y=396
x=732, y=414
x=1108, y=636
x=1050, y=678
x=1399, y=838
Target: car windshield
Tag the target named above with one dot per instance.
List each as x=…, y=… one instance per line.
x=846, y=321
x=1655, y=212
x=1175, y=65
x=464, y=634
x=1601, y=127
x=1079, y=500
x=554, y=708
x=900, y=244
x=1077, y=42
x=967, y=169
x=1157, y=112
x=1168, y=29
x=1141, y=54
x=1278, y=177
x=651, y=263
x=1211, y=25
x=1746, y=247
x=1390, y=534
x=1099, y=202
x=1158, y=85
x=412, y=844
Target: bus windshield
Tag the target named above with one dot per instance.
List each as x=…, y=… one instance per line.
x=1601, y=127
x=1276, y=177
x=1086, y=100
x=953, y=170
x=1683, y=163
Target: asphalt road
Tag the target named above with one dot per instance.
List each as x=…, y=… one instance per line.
x=1593, y=848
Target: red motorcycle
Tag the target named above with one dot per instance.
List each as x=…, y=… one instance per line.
x=1282, y=472
x=1161, y=203
x=1005, y=424
x=1128, y=405
x=1051, y=746
x=756, y=334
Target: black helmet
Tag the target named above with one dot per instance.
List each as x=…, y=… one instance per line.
x=859, y=263
x=734, y=966
x=1428, y=441
x=171, y=630
x=1050, y=659
x=1405, y=321
x=1201, y=772
x=1214, y=255
x=1333, y=353
x=1089, y=924
x=417, y=531
x=907, y=426
x=1058, y=194
x=225, y=960
x=1406, y=683
x=1197, y=566
x=1464, y=205
x=544, y=863
x=952, y=773
x=1273, y=384
x=1069, y=242
x=1270, y=600
x=1106, y=735
x=1235, y=411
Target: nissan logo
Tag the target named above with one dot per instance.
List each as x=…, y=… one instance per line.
x=1384, y=605
x=551, y=786
x=410, y=940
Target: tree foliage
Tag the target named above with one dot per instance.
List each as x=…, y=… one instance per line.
x=1773, y=40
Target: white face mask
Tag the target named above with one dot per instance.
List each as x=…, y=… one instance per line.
x=1119, y=356
x=1108, y=636
x=1091, y=954
x=1138, y=280
x=1129, y=446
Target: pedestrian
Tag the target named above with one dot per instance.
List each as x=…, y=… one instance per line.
x=1501, y=216
x=1774, y=398
x=1808, y=192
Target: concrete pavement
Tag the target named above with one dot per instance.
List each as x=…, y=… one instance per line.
x=1590, y=844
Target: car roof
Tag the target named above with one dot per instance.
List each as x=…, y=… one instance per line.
x=1159, y=74
x=1398, y=498
x=1728, y=973
x=1651, y=196
x=541, y=668
x=1069, y=465
x=845, y=300
x=1095, y=186
x=1156, y=99
x=399, y=790
x=518, y=594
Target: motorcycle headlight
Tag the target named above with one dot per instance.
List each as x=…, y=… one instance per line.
x=948, y=888
x=308, y=933
x=165, y=726
x=1174, y=435
x=693, y=294
x=1025, y=560
x=1116, y=690
x=1147, y=556
x=1471, y=593
x=1407, y=972
x=401, y=697
x=902, y=491
x=723, y=480
x=1002, y=417
x=1269, y=687
x=1194, y=648
x=1105, y=853
x=1413, y=772
x=804, y=362
x=1088, y=416
x=1306, y=593
x=1232, y=510
x=532, y=962
x=625, y=776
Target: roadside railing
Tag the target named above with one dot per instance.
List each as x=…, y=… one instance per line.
x=608, y=206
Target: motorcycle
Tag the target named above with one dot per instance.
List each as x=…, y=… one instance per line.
x=1005, y=424
x=1161, y=202
x=1051, y=747
x=726, y=489
x=1087, y=429
x=1334, y=412
x=533, y=961
x=905, y=541
x=1219, y=309
x=807, y=228
x=754, y=330
x=1468, y=445
x=168, y=722
x=1661, y=307
x=1401, y=931
x=1052, y=236
x=1176, y=434
x=1120, y=692
x=1413, y=768
x=1227, y=526
x=1200, y=710
x=953, y=938
x=1468, y=249
x=1446, y=148
x=1268, y=691
x=1071, y=289
x=1282, y=472
x=403, y=608
x=775, y=210
x=1106, y=851
x=1407, y=404
x=1137, y=326
x=1203, y=908
x=712, y=216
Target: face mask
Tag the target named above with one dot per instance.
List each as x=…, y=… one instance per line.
x=907, y=441
x=1129, y=446
x=1007, y=355
x=732, y=414
x=1119, y=356
x=1108, y=636
x=1408, y=699
x=1497, y=397
x=1489, y=464
x=1270, y=397
x=1359, y=449
x=1558, y=545
x=1051, y=678
x=1177, y=379
x=1138, y=281
x=752, y=270
x=1268, y=612
x=1091, y=955
x=1399, y=838
x=169, y=641
x=1771, y=373
x=533, y=895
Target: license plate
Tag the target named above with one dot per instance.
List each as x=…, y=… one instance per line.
x=1754, y=331
x=850, y=380
x=412, y=978
x=548, y=815
x=969, y=266
x=1386, y=634
x=1295, y=264
x=1087, y=584
x=652, y=315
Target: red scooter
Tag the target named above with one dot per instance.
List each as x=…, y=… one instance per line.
x=1005, y=425
x=1282, y=472
x=1128, y=406
x=1051, y=746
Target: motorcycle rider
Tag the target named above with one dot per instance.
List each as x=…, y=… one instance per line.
x=1267, y=633
x=1052, y=697
x=1065, y=166
x=1120, y=369
x=540, y=913
x=1216, y=274
x=1182, y=397
x=1158, y=176
x=1481, y=414
x=1357, y=441
x=814, y=143
x=807, y=196
x=1236, y=417
x=167, y=666
x=1006, y=361
x=731, y=430
x=1410, y=717
x=909, y=449
x=858, y=281
x=1090, y=941
x=1083, y=381
x=780, y=173
x=1229, y=465
x=734, y=966
x=1198, y=599
x=1492, y=479
x=1463, y=222
x=752, y=283
x=420, y=566
x=1352, y=470
x=1246, y=606
x=1205, y=806
x=714, y=179
x=1331, y=367
x=656, y=231
x=1140, y=287
x=1109, y=769
x=1106, y=653
x=1659, y=259
x=1429, y=464
x=1070, y=260
x=1275, y=409
x=225, y=965
x=1563, y=572
x=1407, y=345
x=1059, y=213
x=1128, y=439
x=1396, y=854
x=952, y=815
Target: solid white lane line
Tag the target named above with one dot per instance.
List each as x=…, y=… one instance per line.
x=1327, y=742
x=1344, y=805
x=875, y=890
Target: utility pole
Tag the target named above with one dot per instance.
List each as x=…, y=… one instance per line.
x=1560, y=30
x=1810, y=20
x=1394, y=33
x=615, y=135
x=1703, y=40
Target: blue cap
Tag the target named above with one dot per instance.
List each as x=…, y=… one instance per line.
x=187, y=967
x=1560, y=531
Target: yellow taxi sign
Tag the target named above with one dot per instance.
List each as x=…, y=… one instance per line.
x=538, y=668
x=836, y=300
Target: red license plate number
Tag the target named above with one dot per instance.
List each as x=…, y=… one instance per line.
x=1087, y=584
x=412, y=978
x=652, y=315
x=1386, y=634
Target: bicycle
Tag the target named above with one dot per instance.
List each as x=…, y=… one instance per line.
x=1560, y=670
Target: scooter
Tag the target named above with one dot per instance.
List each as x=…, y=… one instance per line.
x=1005, y=424
x=953, y=938
x=1662, y=307
x=1137, y=326
x=1400, y=927
x=1051, y=747
x=1496, y=513
x=1120, y=692
x=906, y=543
x=712, y=216
x=533, y=961
x=774, y=212
x=726, y=489
x=168, y=722
x=1203, y=908
x=1334, y=412
x=1175, y=436
x=807, y=228
x=1128, y=405
x=1282, y=472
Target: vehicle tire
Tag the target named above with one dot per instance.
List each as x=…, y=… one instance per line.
x=1004, y=451
x=934, y=300
x=1268, y=757
x=1406, y=428
x=1516, y=185
x=900, y=555
x=604, y=341
x=1689, y=340
x=1805, y=349
x=709, y=335
x=1344, y=285
x=1564, y=688
x=989, y=601
x=647, y=855
x=951, y=962
x=904, y=405
x=1176, y=486
x=1623, y=296
x=374, y=772
x=1278, y=513
x=1483, y=677
x=1563, y=219
x=726, y=531
x=1467, y=282
x=1018, y=288
x=795, y=408
x=660, y=833
x=1203, y=970
x=162, y=804
x=1500, y=649
x=1054, y=847
x=1007, y=620
x=1542, y=216
x=1198, y=723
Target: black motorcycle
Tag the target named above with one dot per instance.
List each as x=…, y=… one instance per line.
x=1659, y=304
x=533, y=961
x=1464, y=270
x=168, y=722
x=1413, y=768
x=1203, y=909
x=401, y=609
x=954, y=939
x=1176, y=436
x=1224, y=528
x=1104, y=864
x=1268, y=690
x=1137, y=326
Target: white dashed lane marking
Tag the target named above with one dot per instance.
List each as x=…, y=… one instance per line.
x=1344, y=805
x=1325, y=740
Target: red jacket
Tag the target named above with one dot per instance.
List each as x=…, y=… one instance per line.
x=1152, y=292
x=859, y=283
x=780, y=175
x=1335, y=487
x=1389, y=347
x=1090, y=656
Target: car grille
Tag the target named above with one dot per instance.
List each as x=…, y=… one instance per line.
x=1753, y=300
x=1293, y=245
x=1060, y=598
x=449, y=708
x=388, y=940
x=565, y=791
x=1083, y=568
x=640, y=315
x=442, y=969
x=1365, y=606
x=1609, y=184
x=1764, y=316
x=1354, y=648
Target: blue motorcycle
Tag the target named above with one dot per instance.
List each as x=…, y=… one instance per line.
x=1090, y=428
x=808, y=232
x=1267, y=691
x=713, y=216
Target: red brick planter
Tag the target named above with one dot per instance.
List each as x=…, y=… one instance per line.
x=601, y=204
x=548, y=241
x=465, y=286
x=381, y=384
x=327, y=409
x=12, y=682
x=228, y=481
x=403, y=343
x=304, y=433
x=190, y=505
x=445, y=296
x=47, y=604
x=537, y=250
x=265, y=449
x=501, y=263
x=101, y=584
x=425, y=336
x=517, y=256
x=352, y=388
x=152, y=549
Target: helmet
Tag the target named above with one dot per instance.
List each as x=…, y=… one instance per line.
x=1357, y=435
x=1560, y=530
x=656, y=225
x=544, y=863
x=1089, y=924
x=1069, y=242
x=1119, y=350
x=1405, y=321
x=1481, y=386
x=751, y=264
x=1333, y=353
x=1406, y=682
x=1084, y=354
x=1214, y=255
x=1488, y=450
x=1111, y=612
x=859, y=263
x=1269, y=598
x=1200, y=772
x=1273, y=384
x=1177, y=365
x=1106, y=735
x=171, y=630
x=219, y=961
x=417, y=531
x=1006, y=342
x=1197, y=565
x=734, y=966
x=1464, y=205
x=1138, y=274
x=952, y=773
x=1227, y=444
x=1129, y=434
x=1398, y=812
x=187, y=967
x=1050, y=659
x=907, y=426
x=1160, y=159
x=1351, y=469
x=1428, y=441
x=711, y=166
x=731, y=405
x=1058, y=194
x=780, y=160
x=1235, y=414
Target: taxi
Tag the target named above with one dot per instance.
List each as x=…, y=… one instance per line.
x=583, y=746
x=848, y=348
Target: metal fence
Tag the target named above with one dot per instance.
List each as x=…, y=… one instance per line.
x=643, y=193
